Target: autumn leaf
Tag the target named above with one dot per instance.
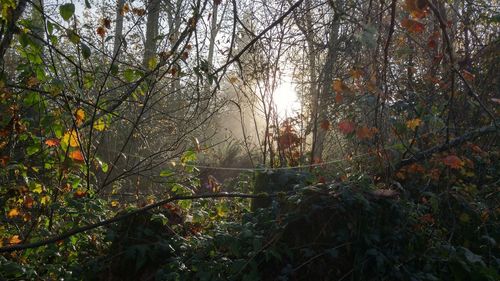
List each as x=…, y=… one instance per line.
x=101, y=31
x=125, y=9
x=79, y=193
x=99, y=125
x=15, y=240
x=356, y=73
x=13, y=213
x=453, y=162
x=339, y=98
x=52, y=142
x=346, y=127
x=4, y=160
x=413, y=123
x=468, y=76
x=365, y=132
x=79, y=116
x=339, y=87
x=325, y=125
x=417, y=8
x=76, y=155
x=71, y=138
x=106, y=22
x=138, y=12
x=32, y=82
x=28, y=202
x=413, y=26
x=114, y=203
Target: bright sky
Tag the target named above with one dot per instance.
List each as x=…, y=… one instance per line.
x=286, y=100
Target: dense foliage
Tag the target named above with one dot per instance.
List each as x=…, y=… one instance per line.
x=150, y=140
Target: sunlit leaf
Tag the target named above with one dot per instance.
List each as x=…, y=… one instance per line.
x=79, y=116
x=79, y=193
x=76, y=155
x=339, y=87
x=417, y=8
x=413, y=123
x=71, y=139
x=52, y=142
x=44, y=200
x=13, y=213
x=100, y=125
x=15, y=240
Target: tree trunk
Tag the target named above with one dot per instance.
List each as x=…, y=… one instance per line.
x=151, y=32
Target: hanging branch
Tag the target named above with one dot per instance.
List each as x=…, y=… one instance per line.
x=491, y=129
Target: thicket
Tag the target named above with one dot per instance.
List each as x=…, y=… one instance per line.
x=115, y=163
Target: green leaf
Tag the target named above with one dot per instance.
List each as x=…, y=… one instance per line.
x=166, y=173
x=50, y=27
x=67, y=10
x=87, y=4
x=130, y=75
x=32, y=149
x=73, y=36
x=85, y=51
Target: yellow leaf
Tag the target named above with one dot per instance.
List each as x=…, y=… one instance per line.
x=13, y=213
x=71, y=138
x=44, y=200
x=15, y=240
x=79, y=116
x=114, y=203
x=99, y=125
x=38, y=188
x=414, y=123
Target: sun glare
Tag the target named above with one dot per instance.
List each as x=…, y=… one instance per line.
x=286, y=100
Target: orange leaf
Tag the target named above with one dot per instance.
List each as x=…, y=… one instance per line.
x=52, y=142
x=339, y=87
x=453, y=162
x=346, y=127
x=413, y=26
x=79, y=116
x=325, y=125
x=15, y=240
x=13, y=213
x=125, y=9
x=356, y=73
x=417, y=8
x=413, y=123
x=365, y=132
x=79, y=193
x=76, y=155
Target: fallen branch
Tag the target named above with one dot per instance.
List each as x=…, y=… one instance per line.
x=444, y=147
x=77, y=230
